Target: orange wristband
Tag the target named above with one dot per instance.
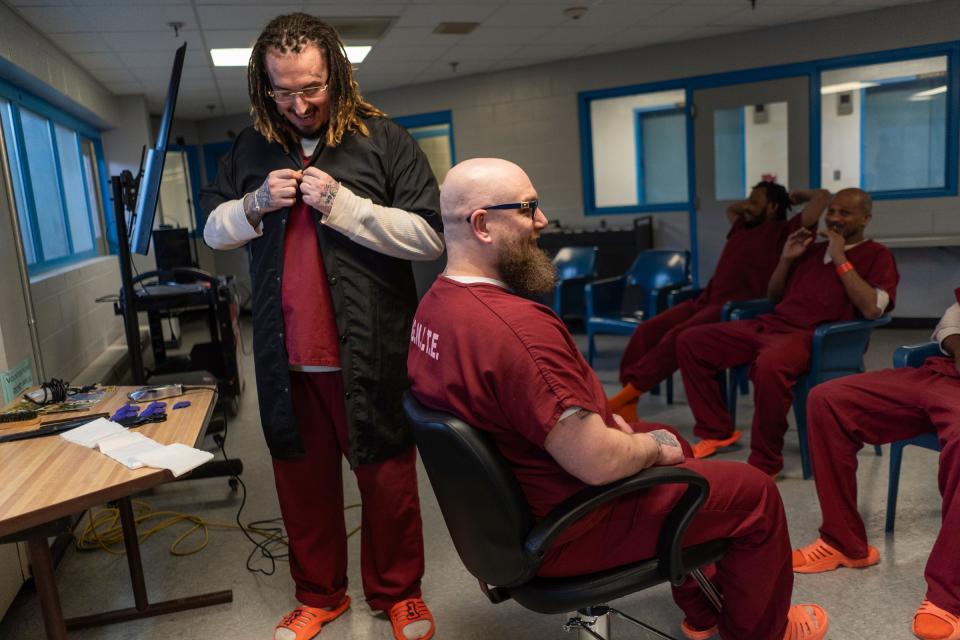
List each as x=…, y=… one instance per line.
x=843, y=268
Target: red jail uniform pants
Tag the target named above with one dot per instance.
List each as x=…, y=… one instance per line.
x=310, y=489
x=876, y=408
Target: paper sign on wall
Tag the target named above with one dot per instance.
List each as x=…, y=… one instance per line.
x=16, y=380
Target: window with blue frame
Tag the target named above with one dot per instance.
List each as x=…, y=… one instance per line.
x=434, y=134
x=53, y=165
x=885, y=126
x=661, y=161
x=637, y=152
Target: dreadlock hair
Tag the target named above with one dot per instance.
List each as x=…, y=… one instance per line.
x=291, y=33
x=777, y=194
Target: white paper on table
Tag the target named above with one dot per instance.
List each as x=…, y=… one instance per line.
x=93, y=432
x=178, y=458
x=131, y=454
x=118, y=440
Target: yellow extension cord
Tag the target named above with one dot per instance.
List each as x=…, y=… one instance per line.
x=104, y=531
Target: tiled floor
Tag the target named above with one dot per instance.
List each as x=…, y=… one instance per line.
x=872, y=604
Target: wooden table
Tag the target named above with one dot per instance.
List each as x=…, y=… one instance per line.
x=43, y=481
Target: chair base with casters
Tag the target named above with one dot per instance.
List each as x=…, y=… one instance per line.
x=911, y=356
x=502, y=544
x=837, y=350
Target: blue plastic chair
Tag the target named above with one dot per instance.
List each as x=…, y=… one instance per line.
x=837, y=350
x=910, y=356
x=653, y=274
x=575, y=266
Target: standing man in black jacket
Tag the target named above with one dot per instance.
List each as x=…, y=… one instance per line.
x=334, y=200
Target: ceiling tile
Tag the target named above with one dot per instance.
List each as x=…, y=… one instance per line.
x=58, y=19
x=96, y=61
x=148, y=17
x=692, y=15
x=430, y=15
x=241, y=17
x=133, y=41
x=230, y=38
x=402, y=54
x=81, y=42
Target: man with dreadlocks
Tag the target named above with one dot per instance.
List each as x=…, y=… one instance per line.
x=333, y=201
x=814, y=283
x=759, y=227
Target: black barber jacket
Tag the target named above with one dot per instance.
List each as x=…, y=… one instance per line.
x=373, y=295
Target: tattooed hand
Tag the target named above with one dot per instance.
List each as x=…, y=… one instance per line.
x=670, y=451
x=319, y=189
x=279, y=190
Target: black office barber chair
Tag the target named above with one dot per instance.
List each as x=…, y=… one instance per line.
x=502, y=545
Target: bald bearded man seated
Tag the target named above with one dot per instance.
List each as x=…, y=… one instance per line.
x=508, y=366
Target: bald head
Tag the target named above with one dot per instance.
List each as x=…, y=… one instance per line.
x=855, y=198
x=477, y=183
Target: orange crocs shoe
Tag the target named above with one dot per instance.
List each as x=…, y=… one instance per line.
x=818, y=557
x=624, y=403
x=408, y=618
x=698, y=634
x=706, y=447
x=806, y=622
x=930, y=622
x=305, y=622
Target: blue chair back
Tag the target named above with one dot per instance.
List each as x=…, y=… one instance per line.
x=575, y=262
x=575, y=267
x=655, y=270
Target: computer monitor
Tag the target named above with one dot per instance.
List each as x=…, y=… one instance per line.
x=152, y=170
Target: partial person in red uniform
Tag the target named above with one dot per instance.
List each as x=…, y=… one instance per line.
x=759, y=228
x=876, y=408
x=813, y=283
x=508, y=366
x=333, y=201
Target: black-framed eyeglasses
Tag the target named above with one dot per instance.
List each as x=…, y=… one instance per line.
x=285, y=96
x=526, y=207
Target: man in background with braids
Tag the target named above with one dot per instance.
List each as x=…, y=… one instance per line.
x=333, y=200
x=758, y=229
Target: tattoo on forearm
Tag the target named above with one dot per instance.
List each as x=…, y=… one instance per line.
x=664, y=438
x=261, y=198
x=328, y=193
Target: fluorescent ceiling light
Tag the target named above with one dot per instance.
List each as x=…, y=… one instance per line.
x=845, y=86
x=230, y=57
x=356, y=53
x=240, y=57
x=928, y=94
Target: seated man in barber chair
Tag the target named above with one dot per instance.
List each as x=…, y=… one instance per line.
x=506, y=365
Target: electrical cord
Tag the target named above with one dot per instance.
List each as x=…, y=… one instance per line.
x=104, y=531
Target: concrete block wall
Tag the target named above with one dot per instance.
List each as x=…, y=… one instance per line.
x=37, y=65
x=74, y=329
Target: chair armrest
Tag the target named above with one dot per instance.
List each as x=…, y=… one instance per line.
x=914, y=355
x=658, y=296
x=669, y=544
x=838, y=347
x=603, y=297
x=744, y=309
x=683, y=294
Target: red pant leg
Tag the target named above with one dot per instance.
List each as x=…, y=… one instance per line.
x=783, y=357
x=942, y=396
x=391, y=552
x=310, y=491
x=877, y=408
x=651, y=355
x=743, y=507
x=704, y=352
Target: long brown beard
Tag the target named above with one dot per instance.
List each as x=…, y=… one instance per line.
x=526, y=268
